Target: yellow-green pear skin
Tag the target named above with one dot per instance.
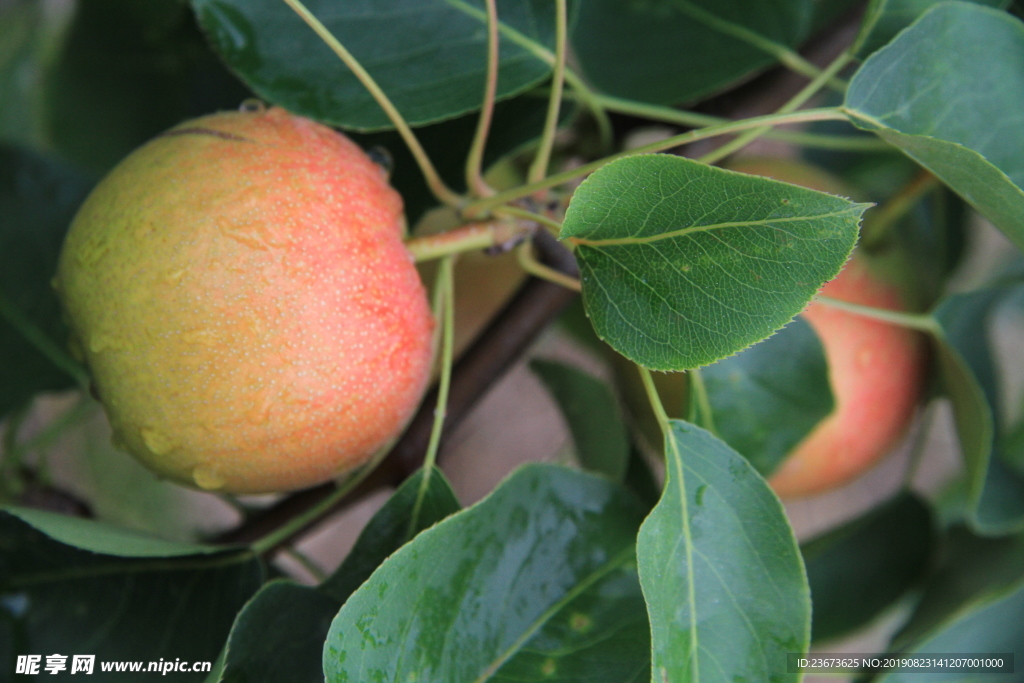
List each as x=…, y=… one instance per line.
x=241, y=294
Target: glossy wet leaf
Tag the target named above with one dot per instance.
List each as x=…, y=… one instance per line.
x=38, y=198
x=536, y=581
x=862, y=567
x=885, y=18
x=684, y=264
x=590, y=408
x=720, y=568
x=428, y=56
x=278, y=636
x=668, y=52
x=391, y=527
x=130, y=599
x=972, y=602
x=766, y=399
x=995, y=491
x=944, y=91
x=126, y=72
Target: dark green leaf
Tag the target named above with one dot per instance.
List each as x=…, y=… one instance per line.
x=766, y=399
x=38, y=198
x=684, y=264
x=886, y=18
x=428, y=56
x=592, y=412
x=944, y=91
x=392, y=527
x=537, y=581
x=973, y=601
x=858, y=569
x=27, y=35
x=996, y=492
x=106, y=539
x=278, y=636
x=166, y=600
x=672, y=52
x=722, y=575
x=129, y=70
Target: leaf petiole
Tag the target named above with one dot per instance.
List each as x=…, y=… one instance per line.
x=915, y=321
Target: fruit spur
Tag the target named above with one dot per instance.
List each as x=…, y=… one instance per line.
x=240, y=291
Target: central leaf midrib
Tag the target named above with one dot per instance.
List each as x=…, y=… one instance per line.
x=682, y=232
x=577, y=590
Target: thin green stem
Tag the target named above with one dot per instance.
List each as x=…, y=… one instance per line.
x=301, y=521
x=699, y=391
x=918, y=451
x=797, y=101
x=42, y=343
x=446, y=288
x=529, y=263
x=447, y=352
x=305, y=562
x=878, y=222
x=525, y=214
x=474, y=160
x=443, y=193
x=915, y=321
x=785, y=55
x=655, y=400
x=470, y=237
x=545, y=55
x=679, y=117
x=539, y=167
x=674, y=468
x=482, y=206
x=81, y=409
x=590, y=100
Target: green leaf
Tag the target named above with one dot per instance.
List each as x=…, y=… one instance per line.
x=721, y=572
x=684, y=264
x=996, y=627
x=885, y=18
x=428, y=56
x=862, y=567
x=392, y=527
x=536, y=581
x=995, y=491
x=278, y=636
x=972, y=602
x=590, y=408
x=99, y=537
x=672, y=52
x=944, y=91
x=766, y=399
x=38, y=198
x=126, y=72
x=28, y=36
x=168, y=600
